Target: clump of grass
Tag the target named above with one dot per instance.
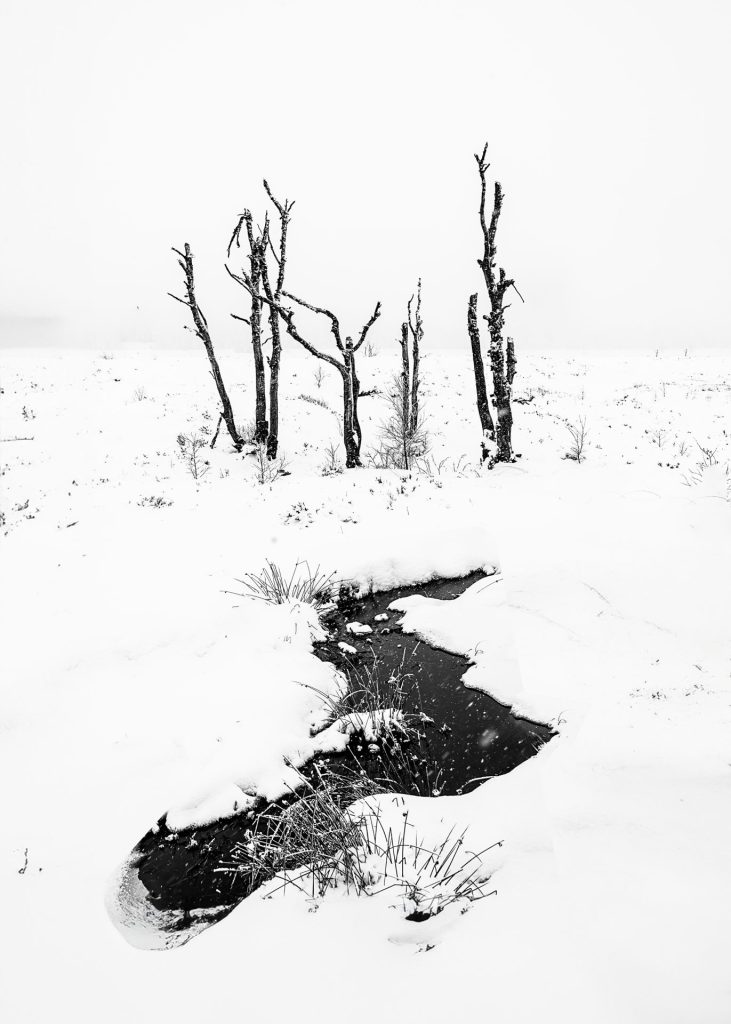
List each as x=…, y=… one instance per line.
x=384, y=713
x=154, y=502
x=314, y=400
x=319, y=843
x=302, y=584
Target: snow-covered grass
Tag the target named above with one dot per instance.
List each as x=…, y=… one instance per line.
x=132, y=683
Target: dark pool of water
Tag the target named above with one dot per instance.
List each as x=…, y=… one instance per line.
x=465, y=737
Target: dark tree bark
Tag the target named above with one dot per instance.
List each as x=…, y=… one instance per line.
x=257, y=260
x=284, y=210
x=511, y=361
x=497, y=284
x=483, y=404
x=406, y=378
x=201, y=330
x=417, y=333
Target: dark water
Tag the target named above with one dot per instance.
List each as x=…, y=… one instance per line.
x=463, y=737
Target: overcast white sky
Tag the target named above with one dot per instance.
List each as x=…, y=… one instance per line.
x=132, y=126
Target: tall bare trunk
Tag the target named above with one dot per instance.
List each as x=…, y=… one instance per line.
x=261, y=427
x=483, y=404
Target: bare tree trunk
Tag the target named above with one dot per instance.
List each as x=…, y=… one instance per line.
x=257, y=256
x=201, y=329
x=406, y=392
x=511, y=361
x=284, y=210
x=350, y=440
x=273, y=439
x=417, y=333
x=483, y=404
x=503, y=411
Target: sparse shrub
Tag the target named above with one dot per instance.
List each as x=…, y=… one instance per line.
x=369, y=350
x=303, y=585
x=403, y=439
x=319, y=376
x=268, y=470
x=190, y=447
x=332, y=466
x=247, y=431
x=140, y=395
x=709, y=474
x=579, y=436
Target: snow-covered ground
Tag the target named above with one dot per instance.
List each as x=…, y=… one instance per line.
x=133, y=682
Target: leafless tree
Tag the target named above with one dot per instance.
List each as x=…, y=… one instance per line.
x=201, y=330
x=502, y=354
x=403, y=436
x=258, y=244
x=344, y=363
x=262, y=288
x=284, y=211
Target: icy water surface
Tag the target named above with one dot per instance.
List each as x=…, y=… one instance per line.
x=463, y=738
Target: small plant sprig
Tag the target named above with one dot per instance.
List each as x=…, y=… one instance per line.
x=190, y=446
x=579, y=437
x=332, y=466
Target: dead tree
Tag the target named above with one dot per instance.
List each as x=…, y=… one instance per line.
x=201, y=330
x=259, y=246
x=502, y=357
x=345, y=364
x=403, y=433
x=274, y=295
x=416, y=327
